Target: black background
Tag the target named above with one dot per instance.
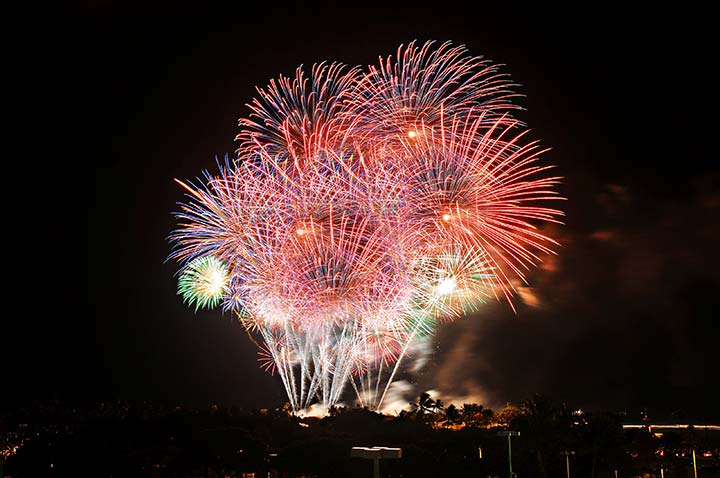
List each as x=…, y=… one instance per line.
x=119, y=98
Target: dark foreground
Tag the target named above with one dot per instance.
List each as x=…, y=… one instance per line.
x=122, y=439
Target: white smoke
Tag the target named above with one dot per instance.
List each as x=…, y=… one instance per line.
x=397, y=398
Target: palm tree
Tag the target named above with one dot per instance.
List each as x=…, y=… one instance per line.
x=475, y=415
x=424, y=404
x=452, y=415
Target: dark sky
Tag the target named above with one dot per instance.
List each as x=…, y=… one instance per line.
x=122, y=97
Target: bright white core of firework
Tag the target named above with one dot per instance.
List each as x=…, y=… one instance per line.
x=446, y=286
x=214, y=282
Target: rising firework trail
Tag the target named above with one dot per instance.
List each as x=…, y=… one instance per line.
x=364, y=209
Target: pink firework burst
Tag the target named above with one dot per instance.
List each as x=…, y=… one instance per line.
x=364, y=208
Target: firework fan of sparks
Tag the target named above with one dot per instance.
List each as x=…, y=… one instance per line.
x=203, y=282
x=363, y=209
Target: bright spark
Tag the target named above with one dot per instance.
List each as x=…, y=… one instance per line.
x=215, y=282
x=446, y=286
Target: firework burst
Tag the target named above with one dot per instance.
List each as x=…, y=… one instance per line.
x=364, y=209
x=203, y=282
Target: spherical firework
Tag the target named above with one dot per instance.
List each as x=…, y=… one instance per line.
x=364, y=209
x=203, y=282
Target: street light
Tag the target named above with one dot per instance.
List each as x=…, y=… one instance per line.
x=508, y=434
x=567, y=461
x=375, y=453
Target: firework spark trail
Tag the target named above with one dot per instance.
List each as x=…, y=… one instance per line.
x=479, y=189
x=415, y=87
x=290, y=111
x=362, y=210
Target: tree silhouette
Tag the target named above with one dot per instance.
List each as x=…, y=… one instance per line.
x=424, y=405
x=545, y=426
x=452, y=414
x=600, y=437
x=475, y=415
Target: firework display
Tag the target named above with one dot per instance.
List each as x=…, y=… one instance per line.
x=363, y=209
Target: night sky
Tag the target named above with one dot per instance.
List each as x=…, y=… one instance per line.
x=122, y=97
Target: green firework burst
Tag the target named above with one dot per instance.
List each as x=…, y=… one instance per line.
x=203, y=282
